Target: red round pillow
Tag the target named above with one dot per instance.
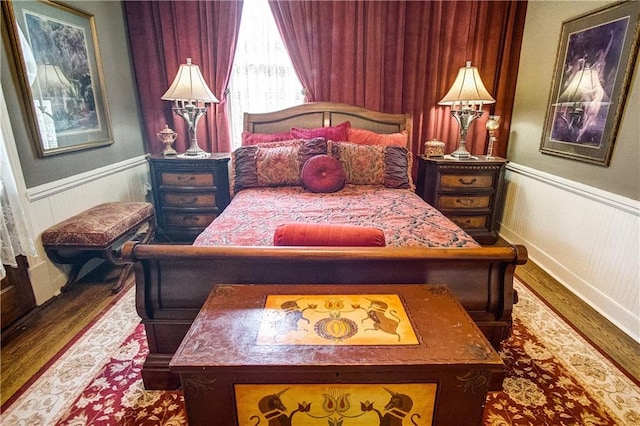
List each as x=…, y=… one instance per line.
x=323, y=173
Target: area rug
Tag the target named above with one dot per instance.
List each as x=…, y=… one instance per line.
x=554, y=377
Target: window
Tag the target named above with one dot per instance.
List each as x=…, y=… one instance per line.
x=262, y=77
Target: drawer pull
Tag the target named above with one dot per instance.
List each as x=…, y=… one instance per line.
x=465, y=201
x=188, y=200
x=467, y=182
x=190, y=178
x=191, y=219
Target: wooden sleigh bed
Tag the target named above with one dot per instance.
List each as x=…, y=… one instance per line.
x=419, y=244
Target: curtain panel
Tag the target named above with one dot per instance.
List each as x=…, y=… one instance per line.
x=402, y=56
x=162, y=36
x=16, y=236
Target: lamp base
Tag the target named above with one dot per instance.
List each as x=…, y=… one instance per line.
x=194, y=150
x=464, y=117
x=191, y=115
x=195, y=154
x=461, y=153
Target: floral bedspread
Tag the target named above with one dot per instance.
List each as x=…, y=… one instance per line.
x=407, y=221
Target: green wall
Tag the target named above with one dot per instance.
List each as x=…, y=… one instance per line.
x=539, y=49
x=121, y=96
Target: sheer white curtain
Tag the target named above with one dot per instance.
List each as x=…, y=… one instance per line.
x=15, y=233
x=263, y=78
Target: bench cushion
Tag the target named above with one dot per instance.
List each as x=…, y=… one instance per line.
x=100, y=226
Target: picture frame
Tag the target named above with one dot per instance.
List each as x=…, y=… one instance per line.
x=594, y=65
x=59, y=70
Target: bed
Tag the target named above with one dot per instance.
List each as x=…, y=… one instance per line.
x=266, y=235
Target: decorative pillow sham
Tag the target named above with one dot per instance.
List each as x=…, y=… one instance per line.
x=334, y=133
x=249, y=138
x=389, y=166
x=326, y=234
x=273, y=164
x=323, y=173
x=367, y=137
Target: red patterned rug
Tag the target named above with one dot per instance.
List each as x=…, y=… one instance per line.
x=554, y=378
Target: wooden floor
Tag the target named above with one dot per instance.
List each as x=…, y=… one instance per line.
x=50, y=327
x=618, y=346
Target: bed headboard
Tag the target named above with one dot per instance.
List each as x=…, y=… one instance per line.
x=324, y=114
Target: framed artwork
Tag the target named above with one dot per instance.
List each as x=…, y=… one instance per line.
x=58, y=65
x=594, y=66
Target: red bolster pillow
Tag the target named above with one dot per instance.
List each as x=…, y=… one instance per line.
x=324, y=234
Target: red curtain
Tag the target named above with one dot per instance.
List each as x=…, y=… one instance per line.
x=345, y=51
x=162, y=36
x=402, y=56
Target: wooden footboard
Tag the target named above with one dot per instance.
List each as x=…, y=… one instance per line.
x=173, y=281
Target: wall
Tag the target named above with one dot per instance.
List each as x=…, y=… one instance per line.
x=579, y=221
x=539, y=49
x=121, y=97
x=60, y=186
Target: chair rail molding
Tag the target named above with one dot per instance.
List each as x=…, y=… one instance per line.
x=61, y=185
x=616, y=201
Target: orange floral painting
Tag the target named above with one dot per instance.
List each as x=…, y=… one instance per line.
x=334, y=405
x=371, y=319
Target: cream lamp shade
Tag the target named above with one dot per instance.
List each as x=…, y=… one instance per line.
x=468, y=88
x=189, y=86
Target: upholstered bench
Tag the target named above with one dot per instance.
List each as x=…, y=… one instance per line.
x=98, y=232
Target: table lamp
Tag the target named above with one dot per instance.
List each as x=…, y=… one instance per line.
x=466, y=97
x=190, y=95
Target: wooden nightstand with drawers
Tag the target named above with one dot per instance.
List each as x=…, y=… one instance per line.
x=469, y=192
x=188, y=194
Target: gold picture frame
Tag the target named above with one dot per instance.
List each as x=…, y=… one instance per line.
x=594, y=65
x=59, y=70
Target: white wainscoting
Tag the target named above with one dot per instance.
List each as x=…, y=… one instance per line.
x=585, y=238
x=55, y=201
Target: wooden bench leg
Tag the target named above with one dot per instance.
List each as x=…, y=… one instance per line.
x=124, y=274
x=126, y=270
x=73, y=275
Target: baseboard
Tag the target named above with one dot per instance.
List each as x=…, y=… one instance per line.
x=599, y=301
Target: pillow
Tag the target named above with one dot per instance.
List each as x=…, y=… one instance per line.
x=249, y=138
x=323, y=173
x=367, y=137
x=273, y=164
x=325, y=234
x=278, y=166
x=389, y=166
x=335, y=133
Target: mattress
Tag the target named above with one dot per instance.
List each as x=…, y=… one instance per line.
x=407, y=221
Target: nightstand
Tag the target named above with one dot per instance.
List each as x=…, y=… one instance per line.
x=188, y=194
x=468, y=192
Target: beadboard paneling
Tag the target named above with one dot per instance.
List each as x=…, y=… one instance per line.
x=588, y=239
x=56, y=201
